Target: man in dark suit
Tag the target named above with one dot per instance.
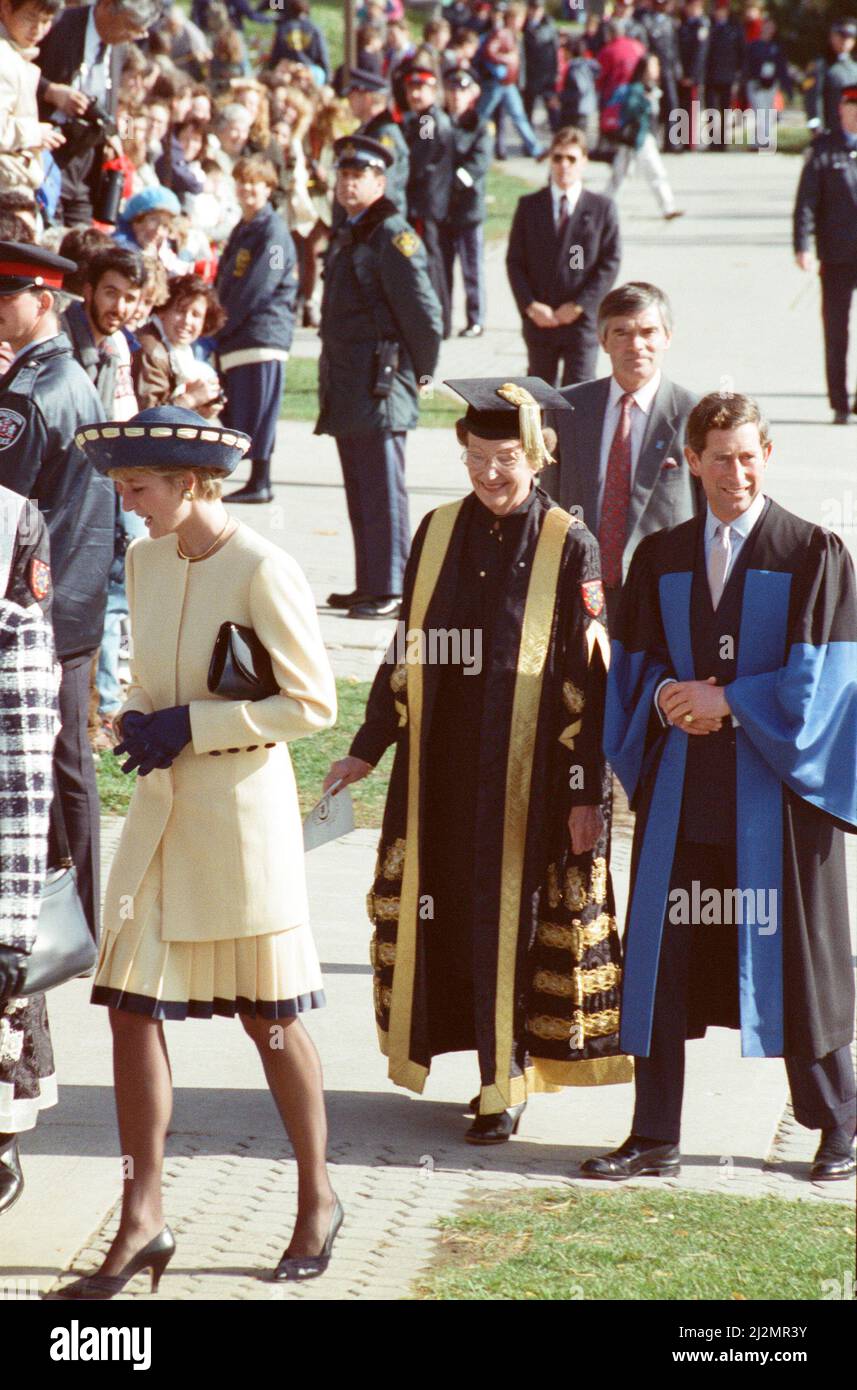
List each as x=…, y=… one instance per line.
x=826, y=209
x=563, y=257
x=84, y=52
x=621, y=446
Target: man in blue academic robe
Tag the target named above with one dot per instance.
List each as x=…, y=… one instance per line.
x=731, y=722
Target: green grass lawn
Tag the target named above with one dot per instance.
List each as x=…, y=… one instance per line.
x=575, y=1244
x=300, y=398
x=311, y=757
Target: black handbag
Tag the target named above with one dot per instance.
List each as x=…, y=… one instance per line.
x=240, y=667
x=64, y=946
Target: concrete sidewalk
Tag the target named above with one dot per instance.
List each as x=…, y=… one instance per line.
x=744, y=316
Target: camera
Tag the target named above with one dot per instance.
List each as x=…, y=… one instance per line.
x=84, y=132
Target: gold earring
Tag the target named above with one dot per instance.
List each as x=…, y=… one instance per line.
x=188, y=494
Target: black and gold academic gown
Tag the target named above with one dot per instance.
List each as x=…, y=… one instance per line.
x=489, y=934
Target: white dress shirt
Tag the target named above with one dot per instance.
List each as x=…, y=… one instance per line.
x=739, y=530
x=639, y=419
x=571, y=195
x=94, y=77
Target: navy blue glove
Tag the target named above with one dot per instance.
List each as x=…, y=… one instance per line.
x=13, y=966
x=155, y=740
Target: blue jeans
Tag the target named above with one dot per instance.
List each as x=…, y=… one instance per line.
x=110, y=695
x=494, y=95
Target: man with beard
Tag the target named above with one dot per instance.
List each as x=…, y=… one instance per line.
x=112, y=291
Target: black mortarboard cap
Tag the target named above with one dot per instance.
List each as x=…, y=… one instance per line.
x=502, y=407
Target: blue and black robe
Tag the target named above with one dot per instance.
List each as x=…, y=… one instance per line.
x=793, y=691
x=490, y=935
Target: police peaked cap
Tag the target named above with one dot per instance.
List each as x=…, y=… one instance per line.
x=461, y=78
x=24, y=266
x=165, y=436
x=361, y=80
x=361, y=152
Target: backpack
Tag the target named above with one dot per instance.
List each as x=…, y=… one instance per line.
x=614, y=125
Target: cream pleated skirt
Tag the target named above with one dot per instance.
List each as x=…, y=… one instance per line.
x=273, y=976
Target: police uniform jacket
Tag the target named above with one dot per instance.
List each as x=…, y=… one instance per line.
x=257, y=284
x=429, y=138
x=376, y=287
x=218, y=834
x=474, y=151
x=826, y=204
x=824, y=88
x=29, y=579
x=45, y=397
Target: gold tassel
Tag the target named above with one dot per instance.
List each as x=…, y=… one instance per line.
x=529, y=423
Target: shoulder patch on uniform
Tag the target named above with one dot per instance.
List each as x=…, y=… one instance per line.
x=40, y=579
x=11, y=427
x=387, y=140
x=406, y=242
x=592, y=593
x=242, y=261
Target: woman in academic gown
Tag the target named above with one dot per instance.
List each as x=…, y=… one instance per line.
x=492, y=903
x=206, y=907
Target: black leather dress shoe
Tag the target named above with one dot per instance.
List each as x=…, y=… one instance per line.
x=251, y=494
x=376, y=608
x=834, y=1160
x=336, y=600
x=11, y=1177
x=637, y=1157
x=495, y=1129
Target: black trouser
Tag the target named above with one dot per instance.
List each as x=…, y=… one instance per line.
x=76, y=197
x=373, y=469
x=822, y=1090
x=718, y=97
x=429, y=230
x=838, y=283
x=570, y=362
x=75, y=785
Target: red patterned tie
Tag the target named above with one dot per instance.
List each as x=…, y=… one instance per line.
x=617, y=496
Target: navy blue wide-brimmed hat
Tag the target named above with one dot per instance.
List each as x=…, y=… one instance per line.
x=361, y=152
x=165, y=436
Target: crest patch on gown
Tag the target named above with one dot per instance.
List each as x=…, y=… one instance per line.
x=592, y=593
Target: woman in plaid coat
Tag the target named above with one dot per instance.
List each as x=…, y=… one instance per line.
x=28, y=725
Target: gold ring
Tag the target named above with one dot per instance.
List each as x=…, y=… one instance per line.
x=688, y=719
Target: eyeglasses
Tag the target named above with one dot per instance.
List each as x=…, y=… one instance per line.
x=565, y=158
x=504, y=462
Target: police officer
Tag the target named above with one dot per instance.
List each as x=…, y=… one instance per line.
x=829, y=76
x=428, y=132
x=380, y=335
x=462, y=233
x=369, y=97
x=826, y=208
x=45, y=397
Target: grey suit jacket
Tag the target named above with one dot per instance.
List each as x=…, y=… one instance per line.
x=665, y=492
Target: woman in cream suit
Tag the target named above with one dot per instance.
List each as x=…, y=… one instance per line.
x=206, y=907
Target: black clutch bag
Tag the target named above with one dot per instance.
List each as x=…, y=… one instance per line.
x=240, y=667
x=64, y=946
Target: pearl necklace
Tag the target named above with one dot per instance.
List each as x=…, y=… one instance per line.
x=192, y=559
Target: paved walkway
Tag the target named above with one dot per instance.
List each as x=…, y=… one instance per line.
x=743, y=313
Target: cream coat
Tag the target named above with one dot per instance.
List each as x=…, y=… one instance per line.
x=20, y=164
x=220, y=837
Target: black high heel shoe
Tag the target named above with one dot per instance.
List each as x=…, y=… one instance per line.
x=155, y=1256
x=310, y=1266
x=495, y=1129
